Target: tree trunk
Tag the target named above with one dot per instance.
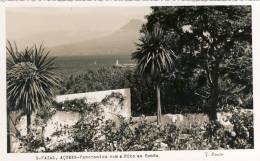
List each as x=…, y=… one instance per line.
x=8, y=134
x=213, y=102
x=213, y=77
x=159, y=110
x=42, y=136
x=28, y=117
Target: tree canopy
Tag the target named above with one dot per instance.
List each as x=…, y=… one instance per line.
x=212, y=42
x=31, y=80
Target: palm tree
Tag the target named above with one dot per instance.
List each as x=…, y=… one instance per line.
x=30, y=79
x=154, y=58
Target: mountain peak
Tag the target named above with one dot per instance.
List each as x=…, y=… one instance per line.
x=121, y=41
x=133, y=24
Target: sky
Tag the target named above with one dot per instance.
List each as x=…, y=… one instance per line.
x=59, y=25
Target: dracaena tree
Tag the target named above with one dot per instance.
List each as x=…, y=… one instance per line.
x=31, y=79
x=154, y=58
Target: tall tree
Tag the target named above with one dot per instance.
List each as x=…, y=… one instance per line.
x=154, y=58
x=214, y=38
x=31, y=80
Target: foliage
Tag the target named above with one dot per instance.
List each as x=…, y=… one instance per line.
x=34, y=140
x=96, y=80
x=210, y=48
x=213, y=45
x=243, y=128
x=213, y=56
x=114, y=137
x=45, y=113
x=153, y=56
x=81, y=105
x=96, y=134
x=142, y=97
x=147, y=137
x=31, y=142
x=239, y=137
x=115, y=95
x=30, y=79
x=87, y=128
x=93, y=133
x=76, y=105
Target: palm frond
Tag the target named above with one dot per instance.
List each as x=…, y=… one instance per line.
x=30, y=78
x=153, y=56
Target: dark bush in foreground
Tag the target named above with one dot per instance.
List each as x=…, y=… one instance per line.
x=93, y=133
x=178, y=93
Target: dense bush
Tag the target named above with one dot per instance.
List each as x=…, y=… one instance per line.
x=93, y=133
x=82, y=105
x=76, y=105
x=178, y=92
x=142, y=97
x=31, y=142
x=243, y=128
x=96, y=80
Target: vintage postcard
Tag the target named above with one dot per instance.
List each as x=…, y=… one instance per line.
x=118, y=80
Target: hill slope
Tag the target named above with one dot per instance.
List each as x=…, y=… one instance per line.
x=121, y=41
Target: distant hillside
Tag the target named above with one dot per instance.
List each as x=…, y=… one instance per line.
x=121, y=41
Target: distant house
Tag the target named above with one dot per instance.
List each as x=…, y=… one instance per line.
x=117, y=65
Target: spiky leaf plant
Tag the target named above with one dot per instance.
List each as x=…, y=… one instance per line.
x=31, y=79
x=154, y=58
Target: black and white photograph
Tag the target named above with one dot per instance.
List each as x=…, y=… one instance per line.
x=129, y=78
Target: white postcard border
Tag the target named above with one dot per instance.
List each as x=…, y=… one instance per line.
x=252, y=155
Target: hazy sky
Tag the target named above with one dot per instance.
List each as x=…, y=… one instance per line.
x=56, y=25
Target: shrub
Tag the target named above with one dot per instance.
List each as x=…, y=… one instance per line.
x=243, y=128
x=240, y=137
x=94, y=133
x=99, y=135
x=76, y=105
